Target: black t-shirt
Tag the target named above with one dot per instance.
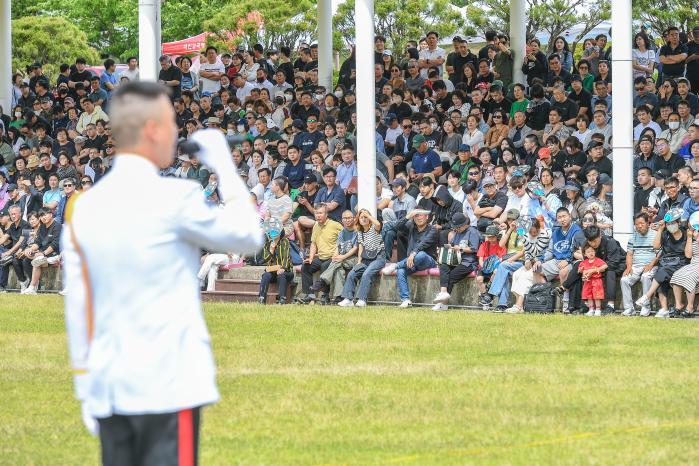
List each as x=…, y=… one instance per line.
x=692, y=67
x=80, y=76
x=504, y=106
x=672, y=165
x=303, y=210
x=288, y=70
x=676, y=69
x=673, y=247
x=295, y=173
x=568, y=108
x=15, y=231
x=499, y=200
x=172, y=74
x=578, y=159
x=584, y=99
x=458, y=62
x=603, y=165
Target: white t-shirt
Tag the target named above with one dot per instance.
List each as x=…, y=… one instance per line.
x=132, y=75
x=428, y=54
x=646, y=58
x=208, y=85
x=242, y=93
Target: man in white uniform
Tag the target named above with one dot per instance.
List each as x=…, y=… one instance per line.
x=138, y=342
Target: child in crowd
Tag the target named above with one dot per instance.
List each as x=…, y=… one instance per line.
x=489, y=254
x=591, y=269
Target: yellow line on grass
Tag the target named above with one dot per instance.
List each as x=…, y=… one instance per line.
x=540, y=443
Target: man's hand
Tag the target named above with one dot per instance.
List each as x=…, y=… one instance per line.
x=337, y=258
x=5, y=254
x=562, y=264
x=410, y=261
x=280, y=271
x=628, y=271
x=647, y=268
x=307, y=260
x=90, y=422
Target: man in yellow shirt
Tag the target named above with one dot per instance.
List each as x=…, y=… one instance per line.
x=323, y=248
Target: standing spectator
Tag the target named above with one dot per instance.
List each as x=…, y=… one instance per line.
x=593, y=287
x=210, y=71
x=170, y=76
x=433, y=56
x=323, y=248
x=641, y=261
x=132, y=72
x=673, y=54
x=535, y=64
x=692, y=60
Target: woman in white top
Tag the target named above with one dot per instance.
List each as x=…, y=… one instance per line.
x=473, y=136
x=249, y=68
x=643, y=57
x=258, y=161
x=583, y=133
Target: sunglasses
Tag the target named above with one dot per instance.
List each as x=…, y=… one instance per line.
x=395, y=71
x=311, y=121
x=497, y=117
x=407, y=126
x=588, y=219
x=68, y=185
x=473, y=173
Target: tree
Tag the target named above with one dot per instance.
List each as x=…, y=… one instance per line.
x=402, y=20
x=49, y=41
x=554, y=17
x=272, y=23
x=661, y=14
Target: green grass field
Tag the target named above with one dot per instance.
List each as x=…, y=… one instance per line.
x=320, y=385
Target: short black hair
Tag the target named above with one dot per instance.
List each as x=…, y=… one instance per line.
x=592, y=232
x=108, y=63
x=327, y=170
x=211, y=47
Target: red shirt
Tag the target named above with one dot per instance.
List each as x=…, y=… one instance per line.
x=490, y=249
x=587, y=265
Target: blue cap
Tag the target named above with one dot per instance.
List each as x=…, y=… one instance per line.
x=206, y=94
x=464, y=148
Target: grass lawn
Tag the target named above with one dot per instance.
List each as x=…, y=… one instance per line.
x=320, y=385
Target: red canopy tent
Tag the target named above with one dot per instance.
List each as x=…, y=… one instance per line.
x=186, y=46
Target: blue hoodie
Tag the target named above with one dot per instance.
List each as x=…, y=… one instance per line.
x=561, y=245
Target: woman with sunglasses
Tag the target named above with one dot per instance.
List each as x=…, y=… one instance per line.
x=667, y=94
x=574, y=202
x=497, y=132
x=395, y=78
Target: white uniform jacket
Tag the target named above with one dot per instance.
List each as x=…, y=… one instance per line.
x=137, y=337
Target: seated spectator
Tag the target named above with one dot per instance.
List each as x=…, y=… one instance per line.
x=491, y=205
x=53, y=195
x=422, y=250
x=424, y=161
x=671, y=239
x=685, y=280
x=332, y=279
x=465, y=240
x=304, y=206
x=397, y=209
x=27, y=252
x=323, y=248
x=331, y=195
x=372, y=258
x=48, y=252
x=279, y=207
x=513, y=238
x=674, y=134
x=489, y=254
x=278, y=266
x=641, y=261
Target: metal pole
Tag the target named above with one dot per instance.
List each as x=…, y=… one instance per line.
x=158, y=29
x=622, y=123
x=518, y=37
x=325, y=44
x=6, y=56
x=148, y=33
x=366, y=126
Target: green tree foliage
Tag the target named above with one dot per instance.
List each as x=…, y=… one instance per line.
x=402, y=20
x=552, y=16
x=50, y=41
x=662, y=14
x=272, y=23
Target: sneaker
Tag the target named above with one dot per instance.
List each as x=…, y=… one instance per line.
x=565, y=307
x=514, y=310
x=628, y=312
x=305, y=299
x=23, y=285
x=282, y=301
x=389, y=269
x=54, y=259
x=29, y=290
x=590, y=313
x=405, y=303
x=500, y=308
x=360, y=303
x=598, y=312
x=485, y=299
x=608, y=309
x=346, y=303
x=643, y=301
x=687, y=315
x=2, y=289
x=39, y=261
x=63, y=292
x=645, y=312
x=317, y=286
x=662, y=314
x=261, y=299
x=440, y=307
x=442, y=297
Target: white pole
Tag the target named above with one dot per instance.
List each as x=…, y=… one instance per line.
x=622, y=122
x=518, y=37
x=148, y=33
x=366, y=122
x=325, y=44
x=6, y=56
x=158, y=29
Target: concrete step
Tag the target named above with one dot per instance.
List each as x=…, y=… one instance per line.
x=236, y=296
x=251, y=285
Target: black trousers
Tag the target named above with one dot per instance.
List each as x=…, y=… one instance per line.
x=307, y=271
x=451, y=275
x=169, y=439
x=273, y=277
x=574, y=286
x=23, y=268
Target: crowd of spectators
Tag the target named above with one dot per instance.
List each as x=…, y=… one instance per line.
x=476, y=174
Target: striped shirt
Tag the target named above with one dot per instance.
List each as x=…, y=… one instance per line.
x=371, y=241
x=642, y=247
x=281, y=255
x=534, y=249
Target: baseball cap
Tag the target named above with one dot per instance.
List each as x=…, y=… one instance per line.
x=464, y=148
x=310, y=178
x=482, y=85
x=430, y=177
x=390, y=117
x=417, y=140
x=575, y=77
x=388, y=52
x=572, y=185
x=399, y=182
x=488, y=180
x=498, y=83
x=512, y=214
x=298, y=123
x=183, y=158
x=492, y=230
x=604, y=179
x=4, y=212
x=594, y=144
x=421, y=211
x=24, y=146
x=662, y=174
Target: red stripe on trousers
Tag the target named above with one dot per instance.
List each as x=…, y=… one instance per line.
x=185, y=444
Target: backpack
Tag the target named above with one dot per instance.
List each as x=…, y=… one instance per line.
x=540, y=299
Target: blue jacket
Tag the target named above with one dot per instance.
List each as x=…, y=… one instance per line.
x=561, y=245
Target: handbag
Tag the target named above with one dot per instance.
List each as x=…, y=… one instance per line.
x=273, y=268
x=448, y=256
x=369, y=254
x=490, y=264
